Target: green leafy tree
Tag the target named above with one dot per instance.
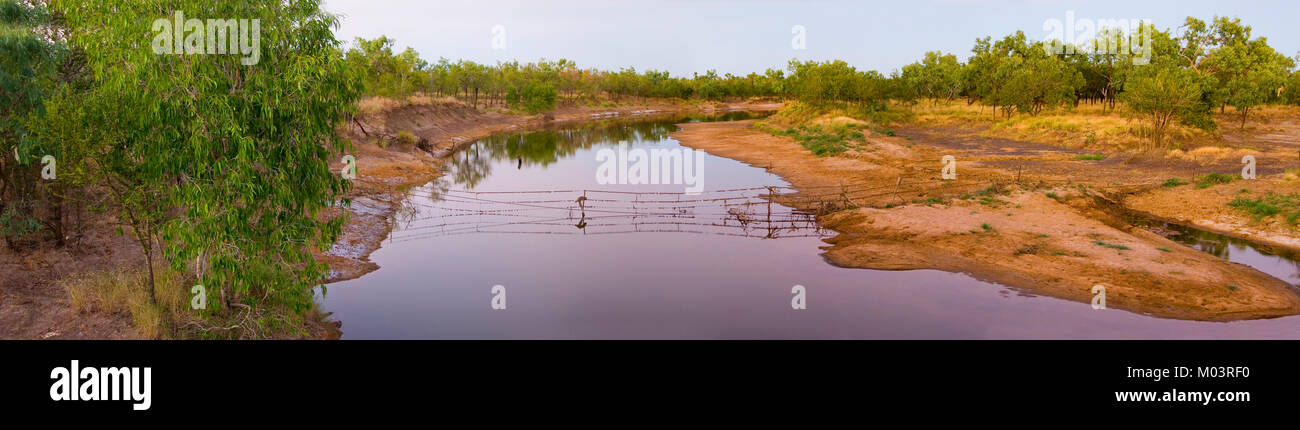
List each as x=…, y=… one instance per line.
x=1163, y=94
x=224, y=167
x=539, y=98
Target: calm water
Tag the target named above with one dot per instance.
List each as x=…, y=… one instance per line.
x=718, y=265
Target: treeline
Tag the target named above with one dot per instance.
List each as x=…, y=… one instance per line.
x=399, y=75
x=1159, y=74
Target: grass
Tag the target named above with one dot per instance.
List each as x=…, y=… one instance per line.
x=124, y=292
x=1112, y=246
x=825, y=140
x=1286, y=205
x=1164, y=249
x=1213, y=179
x=1089, y=157
x=1174, y=182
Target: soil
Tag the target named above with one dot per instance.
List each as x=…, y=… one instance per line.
x=34, y=306
x=906, y=217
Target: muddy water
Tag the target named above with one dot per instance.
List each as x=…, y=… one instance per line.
x=718, y=265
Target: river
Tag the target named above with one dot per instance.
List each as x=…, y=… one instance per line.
x=504, y=226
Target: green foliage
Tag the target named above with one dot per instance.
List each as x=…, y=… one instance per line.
x=224, y=167
x=386, y=74
x=819, y=84
x=1111, y=245
x=824, y=140
x=30, y=59
x=1287, y=205
x=538, y=98
x=1163, y=93
x=937, y=76
x=1089, y=157
x=1291, y=92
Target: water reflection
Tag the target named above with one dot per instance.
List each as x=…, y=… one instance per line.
x=469, y=166
x=1283, y=264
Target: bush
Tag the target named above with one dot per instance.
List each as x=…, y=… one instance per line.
x=538, y=98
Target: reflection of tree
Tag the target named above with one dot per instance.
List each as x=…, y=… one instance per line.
x=470, y=165
x=1221, y=245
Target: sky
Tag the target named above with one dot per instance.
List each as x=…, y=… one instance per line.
x=738, y=37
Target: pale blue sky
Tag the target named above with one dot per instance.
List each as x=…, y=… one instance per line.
x=742, y=36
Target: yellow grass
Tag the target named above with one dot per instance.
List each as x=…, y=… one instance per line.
x=376, y=104
x=125, y=291
x=1090, y=126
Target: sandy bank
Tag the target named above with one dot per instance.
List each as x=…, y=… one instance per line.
x=1020, y=237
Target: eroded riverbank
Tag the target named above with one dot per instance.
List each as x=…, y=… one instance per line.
x=1044, y=237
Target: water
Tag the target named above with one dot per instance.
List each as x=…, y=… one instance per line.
x=1280, y=263
x=634, y=267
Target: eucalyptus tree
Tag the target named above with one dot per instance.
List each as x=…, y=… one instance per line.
x=222, y=165
x=1163, y=93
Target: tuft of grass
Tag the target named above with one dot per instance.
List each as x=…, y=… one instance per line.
x=1089, y=157
x=1111, y=246
x=1164, y=249
x=1174, y=182
x=987, y=227
x=125, y=292
x=406, y=138
x=1027, y=249
x=1213, y=179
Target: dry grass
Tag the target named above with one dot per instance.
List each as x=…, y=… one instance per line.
x=124, y=291
x=1087, y=126
x=376, y=105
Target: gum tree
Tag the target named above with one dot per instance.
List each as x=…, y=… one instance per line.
x=1163, y=93
x=222, y=166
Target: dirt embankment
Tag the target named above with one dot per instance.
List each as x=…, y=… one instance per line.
x=385, y=173
x=1015, y=233
x=1050, y=147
